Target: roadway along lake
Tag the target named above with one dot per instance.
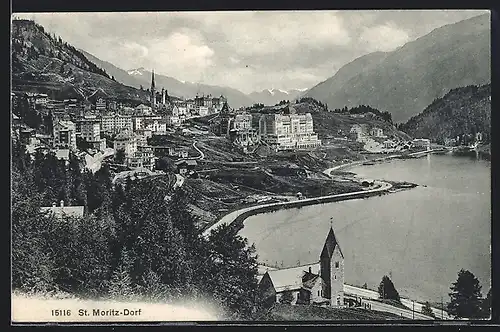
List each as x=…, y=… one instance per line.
x=422, y=236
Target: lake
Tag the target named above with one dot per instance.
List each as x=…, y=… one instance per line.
x=420, y=237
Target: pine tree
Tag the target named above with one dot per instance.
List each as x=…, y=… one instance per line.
x=387, y=290
x=120, y=285
x=465, y=296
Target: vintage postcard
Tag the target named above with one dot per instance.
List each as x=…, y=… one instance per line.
x=251, y=166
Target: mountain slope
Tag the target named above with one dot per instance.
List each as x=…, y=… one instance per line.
x=119, y=74
x=406, y=80
x=44, y=63
x=465, y=110
x=177, y=88
x=274, y=96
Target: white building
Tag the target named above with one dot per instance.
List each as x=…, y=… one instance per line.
x=115, y=123
x=422, y=143
x=90, y=131
x=202, y=110
x=377, y=132
x=65, y=134
x=126, y=141
x=155, y=125
x=289, y=130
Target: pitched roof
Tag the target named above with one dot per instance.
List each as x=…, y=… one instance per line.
x=330, y=244
x=62, y=211
x=290, y=278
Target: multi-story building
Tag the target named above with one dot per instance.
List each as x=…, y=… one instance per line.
x=288, y=130
x=126, y=141
x=64, y=134
x=142, y=158
x=115, y=123
x=100, y=104
x=377, y=132
x=203, y=101
x=359, y=132
x=90, y=131
x=155, y=125
x=422, y=143
x=202, y=110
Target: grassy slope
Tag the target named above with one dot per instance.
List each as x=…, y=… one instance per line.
x=284, y=312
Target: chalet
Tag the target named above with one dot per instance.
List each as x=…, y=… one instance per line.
x=323, y=284
x=62, y=211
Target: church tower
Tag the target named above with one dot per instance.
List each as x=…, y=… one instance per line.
x=163, y=96
x=153, y=91
x=332, y=270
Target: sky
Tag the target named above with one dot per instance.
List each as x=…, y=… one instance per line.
x=246, y=50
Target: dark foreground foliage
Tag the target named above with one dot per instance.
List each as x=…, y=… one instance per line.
x=130, y=241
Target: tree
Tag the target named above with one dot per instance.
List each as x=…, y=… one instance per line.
x=486, y=306
x=387, y=290
x=427, y=310
x=365, y=286
x=465, y=296
x=286, y=297
x=120, y=156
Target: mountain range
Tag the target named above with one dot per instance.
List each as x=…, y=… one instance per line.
x=141, y=77
x=409, y=78
x=41, y=62
x=403, y=81
x=464, y=110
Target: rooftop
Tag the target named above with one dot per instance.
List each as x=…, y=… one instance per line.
x=289, y=278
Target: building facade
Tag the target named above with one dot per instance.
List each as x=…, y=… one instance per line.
x=320, y=284
x=64, y=134
x=289, y=130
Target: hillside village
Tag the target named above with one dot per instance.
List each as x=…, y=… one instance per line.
x=206, y=141
x=223, y=158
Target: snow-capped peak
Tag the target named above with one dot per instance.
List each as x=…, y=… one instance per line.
x=271, y=91
x=137, y=71
x=283, y=91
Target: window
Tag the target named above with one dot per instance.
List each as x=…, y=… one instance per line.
x=335, y=277
x=318, y=293
x=298, y=295
x=336, y=265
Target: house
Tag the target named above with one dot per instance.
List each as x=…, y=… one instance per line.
x=389, y=144
x=62, y=211
x=422, y=143
x=323, y=284
x=185, y=166
x=376, y=132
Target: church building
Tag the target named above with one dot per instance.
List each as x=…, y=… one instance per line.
x=320, y=283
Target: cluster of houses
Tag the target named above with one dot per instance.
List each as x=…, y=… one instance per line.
x=285, y=130
x=99, y=116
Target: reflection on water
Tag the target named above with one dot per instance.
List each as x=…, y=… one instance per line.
x=423, y=236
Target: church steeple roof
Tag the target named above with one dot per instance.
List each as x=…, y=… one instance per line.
x=330, y=244
x=153, y=79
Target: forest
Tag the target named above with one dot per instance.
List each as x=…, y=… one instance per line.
x=131, y=243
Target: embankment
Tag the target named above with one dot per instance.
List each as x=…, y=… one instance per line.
x=237, y=218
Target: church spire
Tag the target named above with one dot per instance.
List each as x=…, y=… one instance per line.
x=153, y=91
